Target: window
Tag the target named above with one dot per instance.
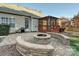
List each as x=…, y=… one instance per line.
x=12, y=22
x=9, y=21
x=44, y=22
x=2, y=20
x=6, y=20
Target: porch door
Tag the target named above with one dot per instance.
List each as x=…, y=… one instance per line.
x=34, y=24
x=26, y=23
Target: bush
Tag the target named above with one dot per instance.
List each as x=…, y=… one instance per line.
x=4, y=29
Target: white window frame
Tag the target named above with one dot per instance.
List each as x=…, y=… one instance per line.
x=7, y=20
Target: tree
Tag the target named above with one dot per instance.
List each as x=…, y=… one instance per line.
x=76, y=20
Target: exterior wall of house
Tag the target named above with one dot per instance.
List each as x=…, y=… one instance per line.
x=19, y=21
x=8, y=11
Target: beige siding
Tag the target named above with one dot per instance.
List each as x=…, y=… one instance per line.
x=19, y=20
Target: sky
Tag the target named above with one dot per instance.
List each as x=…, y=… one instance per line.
x=54, y=9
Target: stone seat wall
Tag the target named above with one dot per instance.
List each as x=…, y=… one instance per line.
x=62, y=38
x=27, y=48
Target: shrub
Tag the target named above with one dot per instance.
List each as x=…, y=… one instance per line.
x=4, y=29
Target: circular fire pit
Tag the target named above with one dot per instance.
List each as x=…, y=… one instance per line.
x=42, y=38
x=28, y=48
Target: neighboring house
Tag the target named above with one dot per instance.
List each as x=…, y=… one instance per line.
x=75, y=24
x=48, y=24
x=75, y=21
x=18, y=16
x=63, y=22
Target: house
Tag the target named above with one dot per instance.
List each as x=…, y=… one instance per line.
x=18, y=16
x=75, y=21
x=48, y=24
x=74, y=24
x=63, y=23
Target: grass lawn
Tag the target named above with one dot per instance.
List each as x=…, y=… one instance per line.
x=74, y=43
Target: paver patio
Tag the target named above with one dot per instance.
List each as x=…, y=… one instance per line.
x=10, y=41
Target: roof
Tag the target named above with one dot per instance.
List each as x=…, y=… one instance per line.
x=51, y=17
x=14, y=9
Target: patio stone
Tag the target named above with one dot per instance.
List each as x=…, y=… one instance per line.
x=60, y=49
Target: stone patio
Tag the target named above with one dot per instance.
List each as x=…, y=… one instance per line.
x=7, y=46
